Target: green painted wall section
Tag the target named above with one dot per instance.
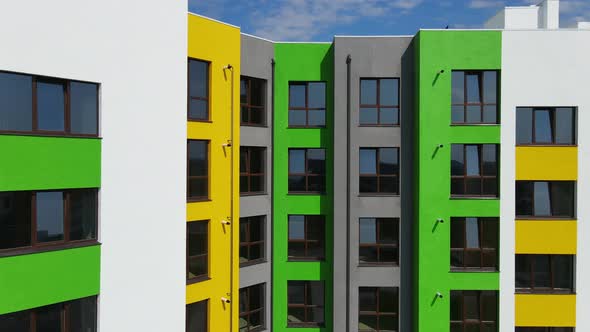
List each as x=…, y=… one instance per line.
x=300, y=62
x=445, y=50
x=37, y=163
x=30, y=281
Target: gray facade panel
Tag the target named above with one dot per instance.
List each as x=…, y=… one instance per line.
x=256, y=57
x=371, y=57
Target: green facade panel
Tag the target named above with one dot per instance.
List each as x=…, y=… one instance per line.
x=29, y=281
x=300, y=62
x=39, y=163
x=438, y=53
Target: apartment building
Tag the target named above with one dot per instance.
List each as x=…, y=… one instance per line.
x=433, y=182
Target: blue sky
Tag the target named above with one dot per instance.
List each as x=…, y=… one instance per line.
x=320, y=20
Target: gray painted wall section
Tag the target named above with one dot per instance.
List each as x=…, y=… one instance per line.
x=256, y=56
x=376, y=57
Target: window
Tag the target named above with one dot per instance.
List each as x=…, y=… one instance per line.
x=252, y=167
x=379, y=241
x=305, y=303
x=73, y=316
x=198, y=90
x=307, y=170
x=545, y=126
x=43, y=105
x=306, y=237
x=474, y=170
x=544, y=329
x=474, y=243
x=252, y=101
x=379, y=170
x=543, y=199
x=474, y=311
x=307, y=104
x=379, y=105
x=544, y=273
x=197, y=251
x=251, y=240
x=197, y=317
x=45, y=219
x=198, y=170
x=252, y=308
x=475, y=97
x=378, y=309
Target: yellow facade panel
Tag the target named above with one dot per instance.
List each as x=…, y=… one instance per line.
x=547, y=163
x=545, y=310
x=546, y=237
x=219, y=44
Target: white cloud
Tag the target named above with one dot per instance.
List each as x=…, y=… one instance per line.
x=478, y=4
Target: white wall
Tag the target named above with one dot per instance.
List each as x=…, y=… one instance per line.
x=137, y=50
x=544, y=68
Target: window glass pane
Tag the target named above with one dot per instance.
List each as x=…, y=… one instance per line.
x=457, y=166
x=297, y=183
x=49, y=318
x=316, y=118
x=258, y=92
x=197, y=154
x=316, y=292
x=82, y=315
x=458, y=114
x=472, y=233
x=368, y=230
x=490, y=114
x=388, y=161
x=15, y=219
x=389, y=116
x=244, y=90
x=296, y=227
x=388, y=93
x=197, y=238
x=490, y=166
x=368, y=323
x=489, y=306
x=297, y=118
x=196, y=317
x=473, y=88
x=563, y=271
x=368, y=161
x=367, y=299
x=524, y=198
x=257, y=160
x=296, y=292
x=256, y=228
x=317, y=95
x=388, y=300
x=368, y=184
x=472, y=156
x=83, y=215
x=198, y=188
x=524, y=125
x=83, y=108
x=457, y=232
x=473, y=114
x=368, y=92
x=198, y=78
x=458, y=87
x=543, y=130
x=562, y=198
x=316, y=161
x=15, y=322
x=50, y=106
x=296, y=315
x=16, y=102
x=489, y=87
x=490, y=232
x=368, y=116
x=456, y=305
x=471, y=305
x=388, y=231
x=542, y=202
x=50, y=216
x=542, y=271
x=297, y=95
x=198, y=109
x=564, y=125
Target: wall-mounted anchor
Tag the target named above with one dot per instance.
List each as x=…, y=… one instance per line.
x=225, y=300
x=439, y=295
x=228, y=144
x=440, y=220
x=226, y=222
x=440, y=146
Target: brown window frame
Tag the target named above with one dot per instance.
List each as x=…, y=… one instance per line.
x=481, y=177
x=249, y=107
x=465, y=321
x=377, y=313
x=66, y=243
x=248, y=244
x=191, y=177
x=546, y=290
x=206, y=99
x=543, y=329
x=248, y=150
x=65, y=314
x=465, y=104
x=200, y=303
x=306, y=241
x=245, y=294
x=306, y=109
x=378, y=106
x=306, y=305
x=552, y=110
x=481, y=221
x=205, y=256
x=378, y=174
x=67, y=132
x=377, y=245
x=552, y=216
x=306, y=174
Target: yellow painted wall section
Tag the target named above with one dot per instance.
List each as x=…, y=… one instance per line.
x=220, y=45
x=547, y=163
x=545, y=310
x=546, y=237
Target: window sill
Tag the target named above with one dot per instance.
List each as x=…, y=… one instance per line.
x=253, y=125
x=197, y=200
x=532, y=145
x=306, y=127
x=306, y=260
x=377, y=195
x=475, y=124
x=262, y=193
x=306, y=193
x=47, y=134
x=484, y=198
x=544, y=292
x=197, y=279
x=199, y=120
x=379, y=125
x=376, y=264
x=47, y=248
x=572, y=218
x=253, y=262
x=310, y=325
x=474, y=270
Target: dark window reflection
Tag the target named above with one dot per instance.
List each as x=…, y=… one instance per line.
x=379, y=170
x=378, y=240
x=306, y=237
x=379, y=102
x=305, y=303
x=15, y=219
x=307, y=104
x=16, y=104
x=474, y=310
x=252, y=101
x=252, y=239
x=474, y=243
x=84, y=108
x=474, y=170
x=546, y=125
x=198, y=169
x=197, y=249
x=378, y=309
x=198, y=81
x=307, y=169
x=252, y=175
x=545, y=199
x=50, y=216
x=197, y=316
x=544, y=273
x=50, y=106
x=474, y=97
x=252, y=308
x=83, y=214
x=82, y=315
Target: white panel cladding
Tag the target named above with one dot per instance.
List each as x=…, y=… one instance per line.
x=137, y=51
x=544, y=68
